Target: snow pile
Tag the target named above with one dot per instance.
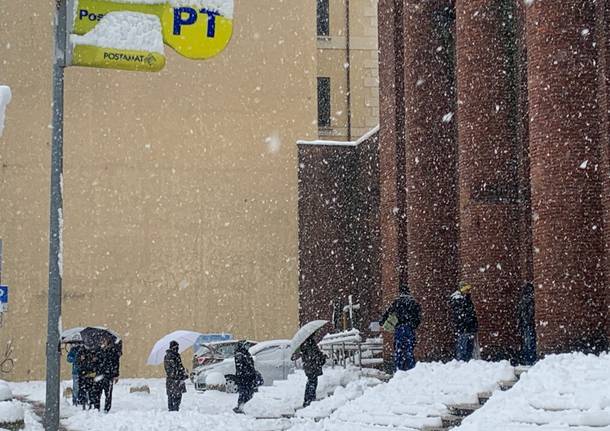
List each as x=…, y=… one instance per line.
x=416, y=398
x=561, y=392
x=5, y=98
x=10, y=412
x=125, y=30
x=5, y=391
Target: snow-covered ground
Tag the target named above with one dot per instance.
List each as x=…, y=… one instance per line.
x=564, y=392
x=561, y=392
x=211, y=410
x=417, y=398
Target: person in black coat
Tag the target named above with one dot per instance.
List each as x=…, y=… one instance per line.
x=464, y=321
x=527, y=325
x=313, y=362
x=246, y=376
x=87, y=368
x=407, y=314
x=175, y=377
x=108, y=372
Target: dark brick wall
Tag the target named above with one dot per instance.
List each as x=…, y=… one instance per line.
x=339, y=230
x=391, y=152
x=566, y=130
x=489, y=166
x=606, y=164
x=431, y=168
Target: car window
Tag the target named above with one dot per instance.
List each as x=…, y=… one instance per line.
x=203, y=350
x=226, y=350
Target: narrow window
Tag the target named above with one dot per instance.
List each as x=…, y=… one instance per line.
x=323, y=18
x=323, y=102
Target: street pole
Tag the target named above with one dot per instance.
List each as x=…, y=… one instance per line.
x=51, y=422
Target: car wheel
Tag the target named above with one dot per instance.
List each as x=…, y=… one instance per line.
x=231, y=384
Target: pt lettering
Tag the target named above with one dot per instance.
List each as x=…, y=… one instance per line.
x=188, y=16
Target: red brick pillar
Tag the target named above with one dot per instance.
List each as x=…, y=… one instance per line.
x=567, y=132
x=431, y=165
x=606, y=157
x=489, y=166
x=391, y=152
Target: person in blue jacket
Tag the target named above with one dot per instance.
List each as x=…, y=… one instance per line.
x=72, y=358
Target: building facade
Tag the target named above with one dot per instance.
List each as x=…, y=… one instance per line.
x=180, y=187
x=493, y=168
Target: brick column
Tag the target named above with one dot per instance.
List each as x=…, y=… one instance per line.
x=606, y=170
x=431, y=165
x=567, y=133
x=391, y=151
x=489, y=166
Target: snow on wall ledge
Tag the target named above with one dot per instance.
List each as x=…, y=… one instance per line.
x=5, y=98
x=125, y=30
x=224, y=7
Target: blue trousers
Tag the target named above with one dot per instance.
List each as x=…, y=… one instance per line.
x=75, y=389
x=529, y=348
x=464, y=346
x=404, y=345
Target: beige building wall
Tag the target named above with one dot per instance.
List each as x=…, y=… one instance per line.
x=363, y=60
x=180, y=186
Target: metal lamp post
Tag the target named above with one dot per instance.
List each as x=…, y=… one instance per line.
x=51, y=422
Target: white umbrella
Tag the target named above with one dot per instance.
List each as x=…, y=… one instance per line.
x=304, y=333
x=185, y=339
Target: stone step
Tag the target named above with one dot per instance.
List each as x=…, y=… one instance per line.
x=520, y=370
x=451, y=421
x=484, y=397
x=463, y=410
x=434, y=429
x=507, y=384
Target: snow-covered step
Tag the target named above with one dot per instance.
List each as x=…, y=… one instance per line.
x=560, y=392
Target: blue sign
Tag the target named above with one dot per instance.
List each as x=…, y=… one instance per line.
x=3, y=294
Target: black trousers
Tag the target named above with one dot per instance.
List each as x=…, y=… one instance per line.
x=245, y=394
x=310, y=390
x=173, y=401
x=106, y=386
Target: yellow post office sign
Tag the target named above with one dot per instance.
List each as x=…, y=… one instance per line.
x=196, y=29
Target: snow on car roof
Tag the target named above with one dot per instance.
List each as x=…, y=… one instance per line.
x=271, y=343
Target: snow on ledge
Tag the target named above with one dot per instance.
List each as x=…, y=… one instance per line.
x=5, y=98
x=364, y=137
x=125, y=30
x=224, y=7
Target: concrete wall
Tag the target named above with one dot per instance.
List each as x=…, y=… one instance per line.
x=180, y=186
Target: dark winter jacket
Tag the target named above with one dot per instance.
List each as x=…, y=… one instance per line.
x=108, y=364
x=313, y=358
x=87, y=361
x=72, y=358
x=406, y=309
x=464, y=315
x=176, y=374
x=526, y=309
x=244, y=369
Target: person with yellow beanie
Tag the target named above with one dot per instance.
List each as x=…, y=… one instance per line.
x=464, y=321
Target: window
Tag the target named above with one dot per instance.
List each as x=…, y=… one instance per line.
x=323, y=102
x=323, y=18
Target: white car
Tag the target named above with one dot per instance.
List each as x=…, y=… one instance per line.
x=271, y=360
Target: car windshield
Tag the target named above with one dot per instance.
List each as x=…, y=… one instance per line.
x=226, y=350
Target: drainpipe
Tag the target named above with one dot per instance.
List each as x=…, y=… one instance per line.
x=348, y=67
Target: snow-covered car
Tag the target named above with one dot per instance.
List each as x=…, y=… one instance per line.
x=271, y=360
x=214, y=352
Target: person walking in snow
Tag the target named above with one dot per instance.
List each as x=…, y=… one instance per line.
x=72, y=358
x=403, y=316
x=108, y=372
x=87, y=364
x=464, y=321
x=176, y=375
x=313, y=363
x=527, y=325
x=246, y=376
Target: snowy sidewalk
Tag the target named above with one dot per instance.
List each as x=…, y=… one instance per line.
x=561, y=392
x=416, y=399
